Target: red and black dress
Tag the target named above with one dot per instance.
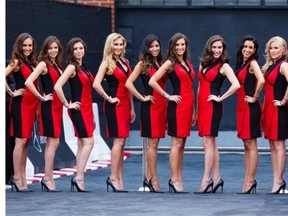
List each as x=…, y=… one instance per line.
x=248, y=114
x=118, y=116
x=51, y=111
x=180, y=115
x=23, y=108
x=81, y=91
x=275, y=118
x=153, y=115
x=209, y=112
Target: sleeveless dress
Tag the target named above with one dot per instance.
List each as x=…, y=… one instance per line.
x=275, y=118
x=180, y=115
x=51, y=111
x=153, y=115
x=209, y=112
x=81, y=91
x=23, y=108
x=248, y=114
x=118, y=116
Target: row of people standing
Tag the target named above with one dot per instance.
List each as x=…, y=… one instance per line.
x=119, y=109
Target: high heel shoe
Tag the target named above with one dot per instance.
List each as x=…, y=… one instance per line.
x=44, y=187
x=152, y=189
x=110, y=183
x=172, y=188
x=13, y=184
x=74, y=183
x=206, y=190
x=220, y=183
x=252, y=189
x=146, y=184
x=281, y=187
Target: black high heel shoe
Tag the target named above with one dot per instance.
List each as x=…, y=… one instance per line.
x=44, y=187
x=75, y=184
x=146, y=184
x=13, y=184
x=152, y=188
x=220, y=183
x=172, y=188
x=110, y=183
x=281, y=187
x=206, y=190
x=252, y=189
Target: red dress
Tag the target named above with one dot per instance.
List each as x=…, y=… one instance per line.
x=248, y=114
x=118, y=116
x=153, y=115
x=275, y=118
x=81, y=91
x=209, y=112
x=180, y=115
x=23, y=108
x=51, y=111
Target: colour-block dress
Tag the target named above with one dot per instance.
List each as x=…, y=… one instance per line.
x=248, y=114
x=153, y=115
x=209, y=112
x=275, y=118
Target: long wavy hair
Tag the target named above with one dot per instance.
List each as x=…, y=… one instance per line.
x=239, y=55
x=69, y=52
x=43, y=56
x=207, y=58
x=269, y=60
x=17, y=51
x=145, y=54
x=109, y=51
x=172, y=54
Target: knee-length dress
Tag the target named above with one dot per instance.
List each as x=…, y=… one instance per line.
x=118, y=116
x=275, y=118
x=248, y=114
x=209, y=112
x=180, y=115
x=23, y=108
x=81, y=91
x=153, y=115
x=51, y=111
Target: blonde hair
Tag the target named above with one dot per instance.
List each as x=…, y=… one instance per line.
x=269, y=60
x=108, y=51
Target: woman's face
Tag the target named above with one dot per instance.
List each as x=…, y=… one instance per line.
x=53, y=50
x=180, y=47
x=78, y=50
x=217, y=49
x=276, y=50
x=118, y=47
x=27, y=47
x=248, y=49
x=154, y=48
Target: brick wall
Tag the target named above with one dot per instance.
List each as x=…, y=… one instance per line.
x=98, y=3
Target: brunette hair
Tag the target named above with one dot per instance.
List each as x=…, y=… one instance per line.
x=69, y=52
x=172, y=54
x=43, y=56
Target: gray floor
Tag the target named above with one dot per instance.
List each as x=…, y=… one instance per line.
x=100, y=202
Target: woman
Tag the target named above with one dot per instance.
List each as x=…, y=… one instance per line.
x=153, y=105
x=80, y=106
x=49, y=70
x=251, y=82
x=23, y=106
x=276, y=108
x=118, y=105
x=180, y=104
x=214, y=68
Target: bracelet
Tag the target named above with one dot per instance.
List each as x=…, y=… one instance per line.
x=40, y=98
x=65, y=104
x=10, y=92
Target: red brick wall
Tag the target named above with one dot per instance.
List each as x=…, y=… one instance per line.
x=99, y=3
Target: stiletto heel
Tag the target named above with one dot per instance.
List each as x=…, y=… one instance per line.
x=152, y=188
x=13, y=184
x=281, y=187
x=220, y=183
x=75, y=184
x=44, y=187
x=146, y=184
x=252, y=189
x=172, y=188
x=110, y=183
x=206, y=190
